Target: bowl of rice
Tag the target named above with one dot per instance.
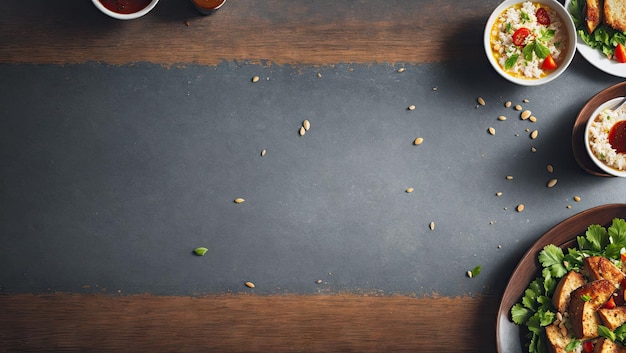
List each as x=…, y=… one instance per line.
x=605, y=137
x=530, y=43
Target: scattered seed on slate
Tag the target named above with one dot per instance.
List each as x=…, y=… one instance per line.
x=411, y=107
x=319, y=74
x=533, y=135
x=525, y=100
x=409, y=190
x=239, y=200
x=520, y=207
x=550, y=168
x=306, y=125
x=499, y=193
x=263, y=153
x=418, y=141
x=509, y=177
x=532, y=119
x=551, y=183
x=319, y=281
x=508, y=104
x=432, y=225
x=250, y=285
x=525, y=114
x=469, y=274
x=255, y=79
x=400, y=70
x=302, y=131
x=518, y=107
x=577, y=198
x=502, y=118
x=481, y=101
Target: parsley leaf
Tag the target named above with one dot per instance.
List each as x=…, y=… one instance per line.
x=510, y=62
x=606, y=333
x=572, y=345
x=551, y=257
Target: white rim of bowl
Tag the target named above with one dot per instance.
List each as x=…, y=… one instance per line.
x=596, y=161
x=121, y=16
x=571, y=34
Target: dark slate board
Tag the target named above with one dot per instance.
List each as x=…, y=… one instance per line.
x=112, y=175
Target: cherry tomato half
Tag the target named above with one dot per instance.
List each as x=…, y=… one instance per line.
x=620, y=53
x=548, y=63
x=587, y=347
x=610, y=304
x=520, y=36
x=542, y=16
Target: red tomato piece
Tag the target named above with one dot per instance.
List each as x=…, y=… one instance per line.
x=610, y=304
x=620, y=53
x=588, y=347
x=548, y=63
x=623, y=257
x=520, y=35
x=542, y=16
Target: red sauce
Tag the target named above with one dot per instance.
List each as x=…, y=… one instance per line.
x=125, y=6
x=208, y=4
x=617, y=136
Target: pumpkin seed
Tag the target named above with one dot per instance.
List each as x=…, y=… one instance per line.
x=306, y=125
x=533, y=135
x=302, y=131
x=550, y=168
x=508, y=104
x=499, y=193
x=239, y=200
x=401, y=70
x=418, y=141
x=520, y=207
x=492, y=131
x=518, y=107
x=411, y=107
x=532, y=119
x=481, y=101
x=263, y=153
x=432, y=225
x=469, y=274
x=509, y=177
x=250, y=285
x=577, y=198
x=502, y=118
x=410, y=190
x=551, y=183
x=255, y=79
x=525, y=114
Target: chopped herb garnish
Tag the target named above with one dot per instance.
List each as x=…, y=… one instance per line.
x=200, y=251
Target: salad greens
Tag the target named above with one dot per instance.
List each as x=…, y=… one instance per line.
x=603, y=38
x=535, y=309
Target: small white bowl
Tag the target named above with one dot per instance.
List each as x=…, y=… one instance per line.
x=609, y=170
x=122, y=16
x=571, y=37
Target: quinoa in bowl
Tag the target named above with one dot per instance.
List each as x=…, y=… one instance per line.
x=605, y=138
x=530, y=42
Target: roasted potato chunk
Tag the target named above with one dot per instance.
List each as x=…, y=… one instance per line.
x=598, y=267
x=570, y=282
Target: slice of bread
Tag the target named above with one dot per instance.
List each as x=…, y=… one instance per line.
x=583, y=306
x=598, y=267
x=613, y=318
x=592, y=13
x=615, y=14
x=605, y=345
x=557, y=341
x=570, y=282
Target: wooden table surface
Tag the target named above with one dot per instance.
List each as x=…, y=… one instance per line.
x=295, y=33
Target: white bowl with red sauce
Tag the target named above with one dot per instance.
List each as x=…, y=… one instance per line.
x=125, y=9
x=494, y=46
x=614, y=138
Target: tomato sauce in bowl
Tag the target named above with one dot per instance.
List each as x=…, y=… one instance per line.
x=125, y=6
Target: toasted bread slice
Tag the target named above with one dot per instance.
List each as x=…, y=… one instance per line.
x=592, y=13
x=570, y=282
x=557, y=341
x=615, y=14
x=613, y=318
x=605, y=345
x=583, y=306
x=599, y=267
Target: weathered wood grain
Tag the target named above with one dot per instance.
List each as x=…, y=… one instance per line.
x=246, y=323
x=318, y=32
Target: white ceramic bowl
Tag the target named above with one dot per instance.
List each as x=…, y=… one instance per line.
x=569, y=55
x=612, y=171
x=121, y=16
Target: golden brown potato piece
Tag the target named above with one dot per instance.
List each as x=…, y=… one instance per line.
x=599, y=267
x=557, y=341
x=583, y=306
x=613, y=318
x=570, y=282
x=615, y=14
x=593, y=14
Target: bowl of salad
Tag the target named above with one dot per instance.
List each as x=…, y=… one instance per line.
x=570, y=276
x=530, y=43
